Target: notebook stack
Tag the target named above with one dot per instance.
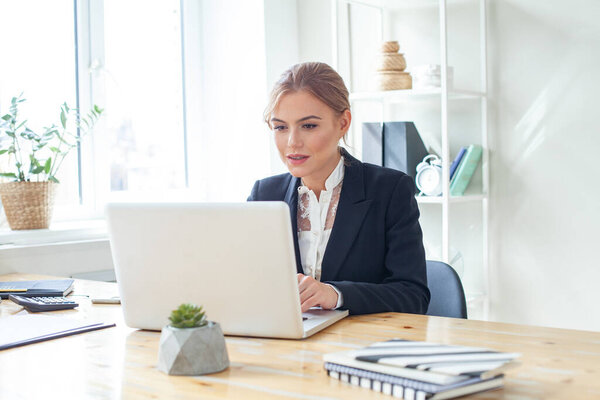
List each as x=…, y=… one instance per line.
x=41, y=288
x=420, y=370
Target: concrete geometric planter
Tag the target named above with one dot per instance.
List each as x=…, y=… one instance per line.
x=192, y=351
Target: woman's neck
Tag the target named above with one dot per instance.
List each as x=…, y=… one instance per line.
x=316, y=182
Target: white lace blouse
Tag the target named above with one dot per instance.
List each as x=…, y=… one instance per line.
x=315, y=222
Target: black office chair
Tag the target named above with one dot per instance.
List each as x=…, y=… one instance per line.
x=447, y=294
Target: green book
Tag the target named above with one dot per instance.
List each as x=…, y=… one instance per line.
x=465, y=170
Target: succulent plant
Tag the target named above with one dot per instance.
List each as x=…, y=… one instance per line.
x=188, y=316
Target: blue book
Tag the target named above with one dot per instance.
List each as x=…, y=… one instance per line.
x=456, y=161
x=465, y=170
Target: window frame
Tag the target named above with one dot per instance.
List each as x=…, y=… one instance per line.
x=94, y=178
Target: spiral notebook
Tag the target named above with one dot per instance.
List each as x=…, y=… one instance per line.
x=421, y=370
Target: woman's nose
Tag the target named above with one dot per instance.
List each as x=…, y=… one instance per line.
x=294, y=139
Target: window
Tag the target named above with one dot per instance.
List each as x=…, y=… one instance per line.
x=182, y=83
x=40, y=62
x=144, y=95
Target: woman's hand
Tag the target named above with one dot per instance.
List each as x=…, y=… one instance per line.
x=314, y=293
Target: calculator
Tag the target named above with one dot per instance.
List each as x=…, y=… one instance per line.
x=37, y=304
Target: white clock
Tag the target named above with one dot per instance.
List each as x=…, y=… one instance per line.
x=429, y=176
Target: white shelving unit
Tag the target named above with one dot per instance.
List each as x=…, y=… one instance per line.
x=387, y=100
x=397, y=96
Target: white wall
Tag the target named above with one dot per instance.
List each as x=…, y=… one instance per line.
x=231, y=144
x=544, y=63
x=281, y=51
x=314, y=30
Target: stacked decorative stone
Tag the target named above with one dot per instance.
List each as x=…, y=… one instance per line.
x=390, y=68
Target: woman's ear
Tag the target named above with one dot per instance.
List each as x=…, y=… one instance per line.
x=344, y=122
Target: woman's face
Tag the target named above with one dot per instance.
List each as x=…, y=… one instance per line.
x=307, y=132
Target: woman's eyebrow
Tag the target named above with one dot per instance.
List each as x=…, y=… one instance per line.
x=300, y=120
x=309, y=117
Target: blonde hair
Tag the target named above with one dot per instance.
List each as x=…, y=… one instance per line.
x=317, y=78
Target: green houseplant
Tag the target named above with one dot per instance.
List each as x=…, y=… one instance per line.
x=31, y=161
x=191, y=345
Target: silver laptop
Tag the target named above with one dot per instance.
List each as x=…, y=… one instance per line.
x=235, y=259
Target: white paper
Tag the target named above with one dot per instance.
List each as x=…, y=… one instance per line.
x=17, y=328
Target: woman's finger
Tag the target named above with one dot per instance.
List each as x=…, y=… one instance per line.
x=309, y=291
x=310, y=302
x=304, y=283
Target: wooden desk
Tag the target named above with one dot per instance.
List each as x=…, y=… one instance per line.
x=120, y=362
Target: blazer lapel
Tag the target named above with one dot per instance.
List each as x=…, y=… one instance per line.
x=351, y=212
x=291, y=198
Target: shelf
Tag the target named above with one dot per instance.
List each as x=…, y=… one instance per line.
x=450, y=109
x=394, y=4
x=453, y=199
x=399, y=5
x=395, y=96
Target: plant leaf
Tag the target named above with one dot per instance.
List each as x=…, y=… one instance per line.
x=30, y=135
x=53, y=179
x=63, y=140
x=20, y=125
x=63, y=118
x=8, y=175
x=38, y=147
x=47, y=165
x=34, y=161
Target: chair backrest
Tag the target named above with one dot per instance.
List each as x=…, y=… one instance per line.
x=447, y=294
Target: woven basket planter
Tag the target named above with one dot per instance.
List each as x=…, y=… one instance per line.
x=28, y=205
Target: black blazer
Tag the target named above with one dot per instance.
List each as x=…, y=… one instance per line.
x=375, y=254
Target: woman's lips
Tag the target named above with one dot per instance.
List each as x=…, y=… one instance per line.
x=297, y=159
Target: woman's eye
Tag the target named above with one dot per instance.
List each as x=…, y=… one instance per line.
x=309, y=126
x=279, y=128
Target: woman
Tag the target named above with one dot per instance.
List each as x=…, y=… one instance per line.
x=356, y=226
